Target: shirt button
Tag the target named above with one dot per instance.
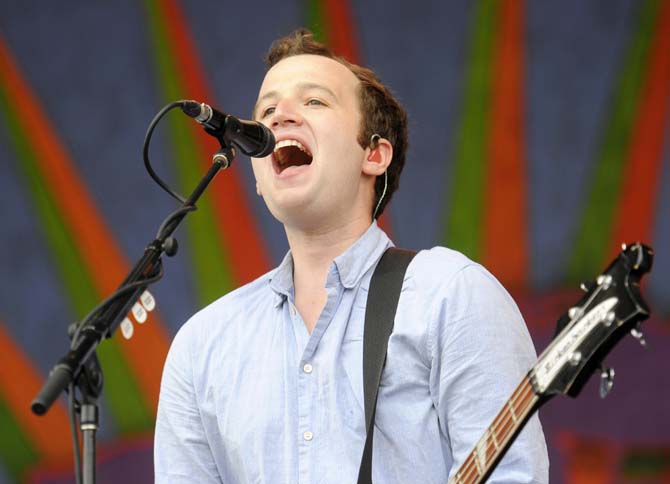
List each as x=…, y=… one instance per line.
x=308, y=435
x=293, y=310
x=307, y=368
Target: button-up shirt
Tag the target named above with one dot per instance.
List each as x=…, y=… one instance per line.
x=248, y=395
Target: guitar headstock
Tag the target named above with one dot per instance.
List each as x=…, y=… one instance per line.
x=611, y=307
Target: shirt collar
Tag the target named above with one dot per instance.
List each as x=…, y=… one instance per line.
x=350, y=265
x=363, y=254
x=281, y=279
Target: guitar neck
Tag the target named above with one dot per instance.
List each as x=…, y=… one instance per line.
x=499, y=436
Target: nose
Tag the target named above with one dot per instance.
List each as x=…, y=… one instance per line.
x=285, y=114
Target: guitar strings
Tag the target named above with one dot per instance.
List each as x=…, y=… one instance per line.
x=470, y=464
x=506, y=423
x=523, y=391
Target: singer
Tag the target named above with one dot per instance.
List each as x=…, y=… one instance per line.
x=265, y=385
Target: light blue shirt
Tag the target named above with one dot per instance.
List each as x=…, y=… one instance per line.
x=249, y=396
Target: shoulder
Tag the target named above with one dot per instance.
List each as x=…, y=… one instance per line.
x=456, y=288
x=446, y=261
x=445, y=268
x=231, y=308
x=238, y=300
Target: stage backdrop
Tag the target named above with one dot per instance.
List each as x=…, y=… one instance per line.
x=539, y=142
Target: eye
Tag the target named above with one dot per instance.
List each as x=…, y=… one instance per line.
x=315, y=102
x=267, y=112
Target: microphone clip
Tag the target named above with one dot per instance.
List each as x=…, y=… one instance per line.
x=224, y=156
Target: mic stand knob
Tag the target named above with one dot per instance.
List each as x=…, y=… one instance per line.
x=224, y=156
x=170, y=246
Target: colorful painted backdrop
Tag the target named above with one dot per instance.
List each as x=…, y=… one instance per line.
x=540, y=140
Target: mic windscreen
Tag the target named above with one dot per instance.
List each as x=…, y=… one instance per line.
x=251, y=137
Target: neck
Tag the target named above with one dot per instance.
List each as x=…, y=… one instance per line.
x=313, y=252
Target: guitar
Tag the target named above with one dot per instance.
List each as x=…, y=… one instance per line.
x=611, y=307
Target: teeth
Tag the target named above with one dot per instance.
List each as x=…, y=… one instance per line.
x=290, y=142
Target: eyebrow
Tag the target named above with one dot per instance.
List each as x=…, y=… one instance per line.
x=302, y=87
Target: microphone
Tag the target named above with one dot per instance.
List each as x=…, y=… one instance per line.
x=251, y=137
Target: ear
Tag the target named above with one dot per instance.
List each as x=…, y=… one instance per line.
x=378, y=159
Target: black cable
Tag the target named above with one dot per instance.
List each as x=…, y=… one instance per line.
x=164, y=226
x=119, y=292
x=145, y=149
x=170, y=218
x=75, y=434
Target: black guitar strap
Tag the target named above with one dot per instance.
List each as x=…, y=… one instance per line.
x=382, y=303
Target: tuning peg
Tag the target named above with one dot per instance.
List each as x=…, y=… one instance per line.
x=606, y=381
x=639, y=336
x=609, y=318
x=604, y=280
x=575, y=358
x=575, y=312
x=586, y=286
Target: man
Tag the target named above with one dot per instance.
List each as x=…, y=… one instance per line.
x=265, y=385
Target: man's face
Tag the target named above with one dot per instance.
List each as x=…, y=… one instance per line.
x=311, y=103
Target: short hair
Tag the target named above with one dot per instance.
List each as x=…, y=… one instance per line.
x=381, y=113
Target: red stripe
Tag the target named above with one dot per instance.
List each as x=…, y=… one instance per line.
x=341, y=33
x=588, y=461
x=340, y=28
x=641, y=180
x=19, y=383
x=235, y=221
x=107, y=267
x=505, y=243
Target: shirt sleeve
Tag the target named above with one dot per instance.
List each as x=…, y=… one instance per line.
x=481, y=351
x=181, y=451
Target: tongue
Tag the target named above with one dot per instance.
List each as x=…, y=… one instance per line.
x=293, y=170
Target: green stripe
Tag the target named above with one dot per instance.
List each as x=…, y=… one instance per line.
x=647, y=464
x=595, y=229
x=16, y=452
x=213, y=275
x=130, y=413
x=464, y=214
x=315, y=20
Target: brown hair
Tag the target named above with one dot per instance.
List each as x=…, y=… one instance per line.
x=381, y=113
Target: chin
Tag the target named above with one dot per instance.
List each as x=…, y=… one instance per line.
x=301, y=215
x=287, y=207
x=289, y=199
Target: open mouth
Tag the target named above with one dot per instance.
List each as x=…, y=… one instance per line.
x=288, y=153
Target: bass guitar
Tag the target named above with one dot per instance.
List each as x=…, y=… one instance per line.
x=611, y=308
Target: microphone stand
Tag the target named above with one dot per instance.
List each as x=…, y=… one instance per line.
x=90, y=385
x=80, y=367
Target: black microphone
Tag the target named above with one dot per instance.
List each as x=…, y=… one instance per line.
x=251, y=137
